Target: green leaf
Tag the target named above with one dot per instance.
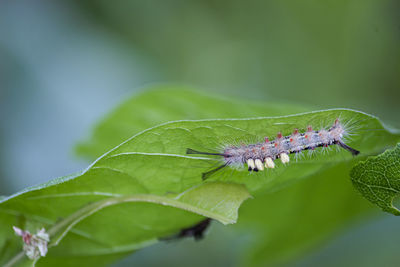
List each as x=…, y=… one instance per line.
x=330, y=182
x=107, y=225
x=161, y=104
x=289, y=223
x=147, y=188
x=378, y=179
x=166, y=144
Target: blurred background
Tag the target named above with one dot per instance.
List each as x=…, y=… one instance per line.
x=65, y=64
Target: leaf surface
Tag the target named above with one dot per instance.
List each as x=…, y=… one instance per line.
x=290, y=223
x=104, y=211
x=161, y=104
x=378, y=179
x=148, y=188
x=168, y=142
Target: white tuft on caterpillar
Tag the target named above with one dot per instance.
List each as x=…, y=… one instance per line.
x=262, y=155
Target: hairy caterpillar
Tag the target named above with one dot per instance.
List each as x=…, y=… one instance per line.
x=260, y=155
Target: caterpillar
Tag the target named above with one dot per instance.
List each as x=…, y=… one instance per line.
x=262, y=155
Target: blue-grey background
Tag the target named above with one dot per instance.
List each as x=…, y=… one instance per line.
x=65, y=64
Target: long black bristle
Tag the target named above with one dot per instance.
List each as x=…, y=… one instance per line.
x=353, y=151
x=192, y=151
x=205, y=175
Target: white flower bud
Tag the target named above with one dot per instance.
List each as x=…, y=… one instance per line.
x=35, y=246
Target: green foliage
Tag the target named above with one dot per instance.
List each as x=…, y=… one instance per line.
x=162, y=104
x=291, y=222
x=378, y=179
x=107, y=225
x=147, y=188
x=163, y=143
